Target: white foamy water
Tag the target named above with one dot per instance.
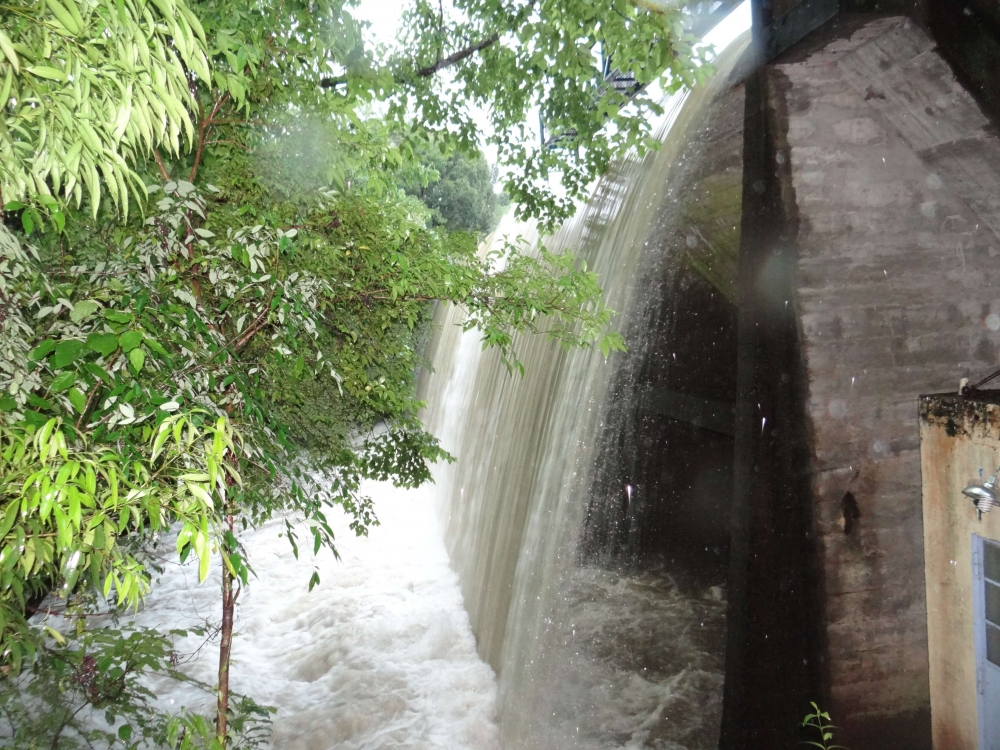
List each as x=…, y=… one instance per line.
x=379, y=655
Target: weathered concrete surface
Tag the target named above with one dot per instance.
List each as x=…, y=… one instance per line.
x=959, y=444
x=892, y=180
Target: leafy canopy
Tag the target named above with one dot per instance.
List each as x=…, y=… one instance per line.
x=516, y=59
x=458, y=189
x=88, y=89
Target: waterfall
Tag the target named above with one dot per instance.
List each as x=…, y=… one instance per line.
x=599, y=638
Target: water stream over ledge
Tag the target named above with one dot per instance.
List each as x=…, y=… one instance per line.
x=592, y=566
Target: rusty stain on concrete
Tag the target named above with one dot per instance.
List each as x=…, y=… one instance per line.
x=959, y=443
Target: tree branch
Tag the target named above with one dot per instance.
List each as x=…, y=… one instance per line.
x=457, y=57
x=159, y=163
x=93, y=393
x=447, y=62
x=202, y=130
x=462, y=54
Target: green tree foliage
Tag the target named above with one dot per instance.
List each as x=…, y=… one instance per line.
x=458, y=189
x=88, y=90
x=104, y=673
x=513, y=58
x=182, y=364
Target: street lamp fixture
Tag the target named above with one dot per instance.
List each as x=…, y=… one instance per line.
x=983, y=495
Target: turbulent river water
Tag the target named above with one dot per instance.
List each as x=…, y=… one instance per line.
x=379, y=655
x=507, y=605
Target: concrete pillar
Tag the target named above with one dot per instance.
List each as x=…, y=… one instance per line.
x=869, y=276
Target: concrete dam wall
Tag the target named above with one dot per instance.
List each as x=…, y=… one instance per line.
x=869, y=276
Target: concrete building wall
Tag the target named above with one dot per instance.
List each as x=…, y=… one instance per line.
x=890, y=183
x=959, y=445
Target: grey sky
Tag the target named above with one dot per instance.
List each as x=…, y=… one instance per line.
x=384, y=17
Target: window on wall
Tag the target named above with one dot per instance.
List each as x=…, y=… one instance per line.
x=986, y=568
x=991, y=597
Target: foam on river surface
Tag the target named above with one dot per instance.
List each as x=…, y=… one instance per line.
x=379, y=655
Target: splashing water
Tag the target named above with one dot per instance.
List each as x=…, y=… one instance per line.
x=378, y=656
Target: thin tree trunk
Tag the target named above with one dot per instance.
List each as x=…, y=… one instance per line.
x=62, y=726
x=225, y=648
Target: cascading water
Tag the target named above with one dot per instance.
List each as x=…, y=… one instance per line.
x=599, y=635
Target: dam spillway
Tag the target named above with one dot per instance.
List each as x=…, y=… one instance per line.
x=586, y=514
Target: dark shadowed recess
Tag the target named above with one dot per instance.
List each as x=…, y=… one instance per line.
x=663, y=477
x=968, y=35
x=665, y=467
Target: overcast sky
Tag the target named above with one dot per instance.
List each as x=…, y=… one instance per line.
x=383, y=15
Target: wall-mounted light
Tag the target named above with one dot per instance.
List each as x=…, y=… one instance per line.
x=983, y=495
